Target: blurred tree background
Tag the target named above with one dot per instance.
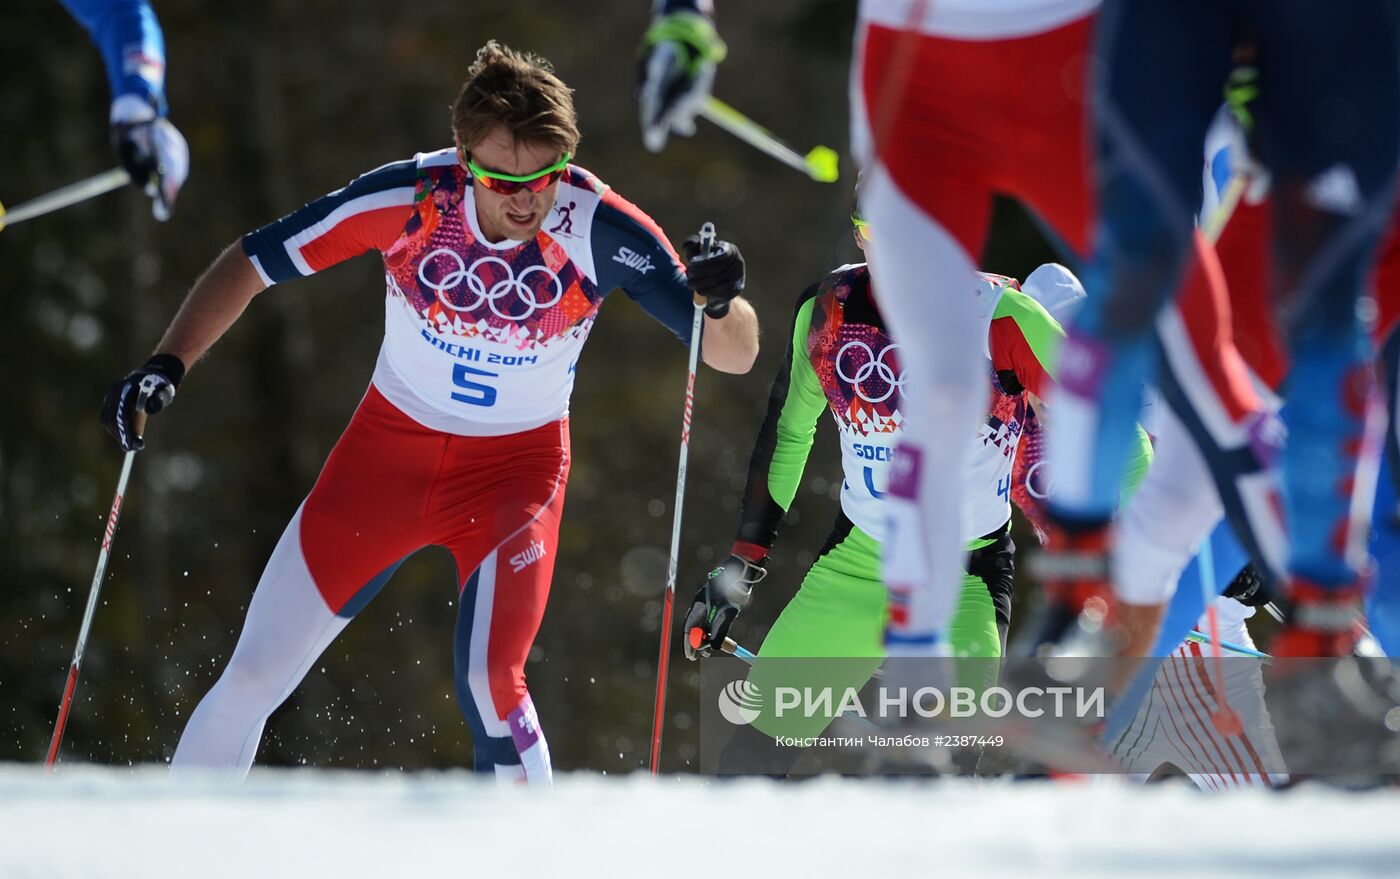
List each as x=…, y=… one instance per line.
x=281, y=102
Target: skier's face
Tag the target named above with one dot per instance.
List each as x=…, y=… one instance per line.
x=521, y=214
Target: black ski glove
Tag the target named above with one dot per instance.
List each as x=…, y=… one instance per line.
x=157, y=381
x=717, y=275
x=152, y=150
x=1248, y=588
x=717, y=603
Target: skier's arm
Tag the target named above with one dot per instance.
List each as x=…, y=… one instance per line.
x=675, y=68
x=630, y=251
x=1024, y=341
x=132, y=46
x=784, y=441
x=366, y=215
x=217, y=299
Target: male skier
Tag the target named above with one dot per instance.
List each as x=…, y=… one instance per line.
x=1322, y=69
x=841, y=359
x=497, y=255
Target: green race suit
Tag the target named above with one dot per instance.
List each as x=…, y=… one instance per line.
x=842, y=360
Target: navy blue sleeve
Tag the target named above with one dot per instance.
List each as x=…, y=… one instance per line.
x=368, y=214
x=630, y=251
x=132, y=46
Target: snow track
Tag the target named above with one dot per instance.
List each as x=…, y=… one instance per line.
x=95, y=823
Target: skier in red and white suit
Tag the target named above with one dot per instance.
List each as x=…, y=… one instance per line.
x=497, y=256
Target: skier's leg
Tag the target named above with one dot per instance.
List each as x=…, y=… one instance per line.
x=320, y=575
x=1333, y=194
x=831, y=634
x=976, y=634
x=1383, y=604
x=836, y=620
x=1151, y=128
x=924, y=194
x=287, y=627
x=1215, y=442
x=1161, y=528
x=503, y=599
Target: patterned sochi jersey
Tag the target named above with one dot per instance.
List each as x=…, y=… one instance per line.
x=842, y=360
x=480, y=338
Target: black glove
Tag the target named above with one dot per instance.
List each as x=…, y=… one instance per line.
x=153, y=384
x=717, y=603
x=717, y=275
x=1248, y=588
x=152, y=151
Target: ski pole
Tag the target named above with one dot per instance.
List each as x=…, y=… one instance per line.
x=668, y=605
x=820, y=163
x=1229, y=200
x=734, y=649
x=1202, y=638
x=96, y=185
x=1225, y=718
x=103, y=555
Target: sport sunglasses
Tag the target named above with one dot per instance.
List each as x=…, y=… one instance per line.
x=509, y=184
x=862, y=226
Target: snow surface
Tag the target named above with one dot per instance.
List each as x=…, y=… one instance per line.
x=93, y=822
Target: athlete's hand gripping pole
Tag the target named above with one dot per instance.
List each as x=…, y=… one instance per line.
x=148, y=387
x=718, y=602
x=820, y=163
x=668, y=605
x=98, y=184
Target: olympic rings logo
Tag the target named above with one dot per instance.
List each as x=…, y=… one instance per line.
x=495, y=292
x=1039, y=494
x=873, y=367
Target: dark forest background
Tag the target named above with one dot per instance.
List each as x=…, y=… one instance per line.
x=284, y=101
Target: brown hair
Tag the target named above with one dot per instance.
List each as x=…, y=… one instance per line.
x=519, y=91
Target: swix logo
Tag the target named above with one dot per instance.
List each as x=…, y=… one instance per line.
x=527, y=556
x=112, y=523
x=633, y=260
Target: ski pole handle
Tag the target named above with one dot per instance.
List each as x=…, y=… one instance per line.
x=707, y=238
x=715, y=308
